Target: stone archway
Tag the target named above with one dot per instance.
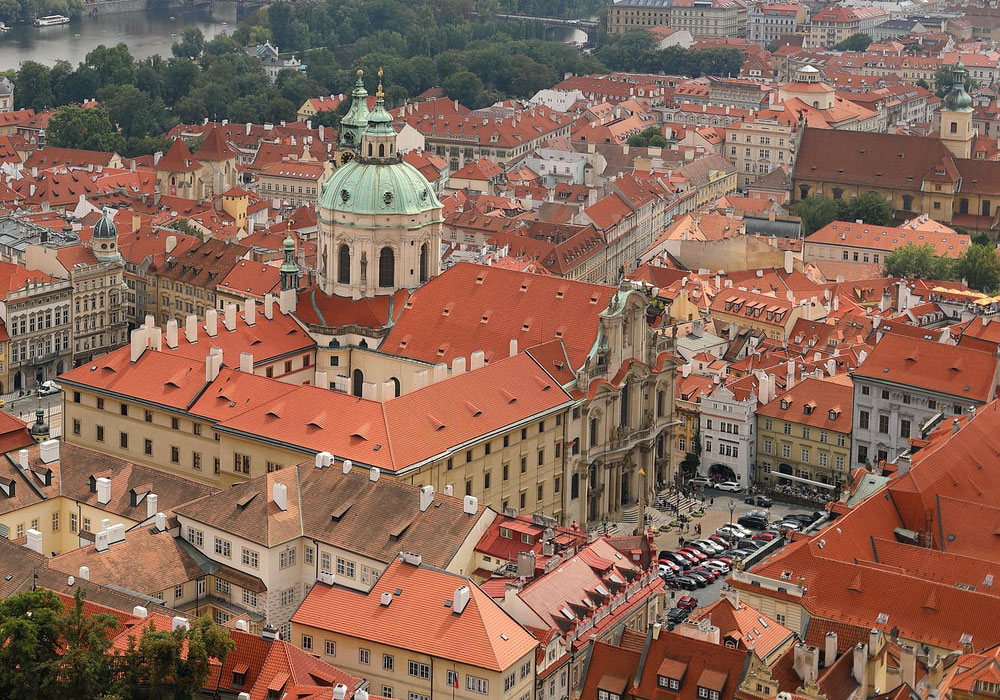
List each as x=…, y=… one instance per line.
x=720, y=472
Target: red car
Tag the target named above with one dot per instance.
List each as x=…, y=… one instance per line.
x=687, y=602
x=721, y=541
x=765, y=536
x=691, y=552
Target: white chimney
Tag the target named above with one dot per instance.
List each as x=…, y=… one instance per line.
x=426, y=497
x=191, y=328
x=462, y=594
x=449, y=490
x=246, y=362
x=138, y=344
x=287, y=300
x=160, y=522
x=789, y=262
x=105, y=523
x=172, y=333
x=908, y=665
x=860, y=665
x=279, y=494
x=151, y=503
x=243, y=696
x=323, y=459
x=321, y=380
x=178, y=622
x=241, y=625
x=250, y=312
x=369, y=392
x=374, y=473
x=268, y=306
x=458, y=366
x=103, y=490
x=339, y=691
x=139, y=611
x=229, y=321
x=513, y=347
x=830, y=649
x=84, y=573
x=470, y=505
x=440, y=372
x=34, y=540
x=49, y=451
x=212, y=323
x=477, y=360
x=831, y=366
x=101, y=541
x=213, y=363
x=347, y=466
x=171, y=243
x=22, y=459
x=790, y=380
x=155, y=338
x=360, y=694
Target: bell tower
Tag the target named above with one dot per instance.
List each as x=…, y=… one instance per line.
x=956, y=115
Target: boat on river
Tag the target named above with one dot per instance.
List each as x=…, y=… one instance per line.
x=51, y=20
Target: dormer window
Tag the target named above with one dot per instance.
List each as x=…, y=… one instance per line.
x=784, y=405
x=607, y=695
x=506, y=533
x=833, y=415
x=668, y=683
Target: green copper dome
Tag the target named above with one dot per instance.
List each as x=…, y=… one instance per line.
x=957, y=99
x=374, y=188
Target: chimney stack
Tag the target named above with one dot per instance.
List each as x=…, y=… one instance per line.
x=458, y=366
x=229, y=321
x=48, y=451
x=34, y=540
x=513, y=347
x=426, y=497
x=830, y=649
x=155, y=334
x=268, y=306
x=420, y=379
x=908, y=665
x=172, y=333
x=347, y=466
x=321, y=380
x=151, y=503
x=462, y=595
x=477, y=360
x=287, y=301
x=374, y=473
x=279, y=494
x=213, y=363
x=860, y=667
x=246, y=362
x=160, y=522
x=103, y=490
x=138, y=344
x=84, y=573
x=250, y=312
x=22, y=459
x=440, y=372
x=191, y=328
x=212, y=323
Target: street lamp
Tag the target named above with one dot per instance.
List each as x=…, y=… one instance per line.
x=732, y=508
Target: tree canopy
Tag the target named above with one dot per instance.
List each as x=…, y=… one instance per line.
x=855, y=42
x=49, y=653
x=978, y=266
x=637, y=50
x=816, y=211
x=650, y=136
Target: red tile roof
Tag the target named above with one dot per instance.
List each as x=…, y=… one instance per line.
x=457, y=313
x=178, y=159
x=945, y=241
x=214, y=148
x=417, y=619
x=826, y=404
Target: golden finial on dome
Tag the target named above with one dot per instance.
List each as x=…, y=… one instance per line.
x=379, y=93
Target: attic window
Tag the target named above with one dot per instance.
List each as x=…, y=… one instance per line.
x=447, y=309
x=526, y=326
x=486, y=316
x=882, y=618
x=524, y=287
x=475, y=411
x=561, y=292
x=435, y=423
x=508, y=397
x=480, y=277
x=594, y=297
x=784, y=404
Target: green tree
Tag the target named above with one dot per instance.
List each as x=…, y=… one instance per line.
x=33, y=86
x=82, y=670
x=29, y=643
x=918, y=261
x=869, y=207
x=191, y=45
x=465, y=87
x=650, y=136
x=112, y=65
x=78, y=127
x=979, y=266
x=132, y=110
x=279, y=19
x=855, y=42
x=815, y=212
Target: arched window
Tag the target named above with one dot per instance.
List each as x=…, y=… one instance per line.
x=386, y=268
x=358, y=381
x=395, y=385
x=954, y=127
x=423, y=263
x=381, y=150
x=369, y=149
x=344, y=264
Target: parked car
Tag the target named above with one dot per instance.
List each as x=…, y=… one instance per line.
x=734, y=530
x=689, y=558
x=749, y=543
x=741, y=554
x=720, y=566
x=709, y=573
x=699, y=578
x=676, y=616
x=726, y=559
x=678, y=559
x=753, y=522
x=667, y=568
x=766, y=536
x=709, y=547
x=721, y=541
x=49, y=387
x=696, y=554
x=729, y=486
x=805, y=518
x=700, y=481
x=761, y=501
x=793, y=525
x=684, y=582
x=687, y=602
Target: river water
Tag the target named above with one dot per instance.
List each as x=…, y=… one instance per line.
x=145, y=33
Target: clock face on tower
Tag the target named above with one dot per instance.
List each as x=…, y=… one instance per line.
x=349, y=137
x=347, y=157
